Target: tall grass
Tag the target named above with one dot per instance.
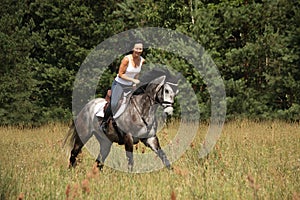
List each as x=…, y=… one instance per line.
x=252, y=160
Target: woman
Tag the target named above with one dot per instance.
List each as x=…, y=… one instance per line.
x=126, y=79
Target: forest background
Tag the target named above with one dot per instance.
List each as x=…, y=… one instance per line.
x=254, y=44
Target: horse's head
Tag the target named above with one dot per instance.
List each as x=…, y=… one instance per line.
x=163, y=90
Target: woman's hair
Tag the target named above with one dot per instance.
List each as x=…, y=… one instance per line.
x=136, y=42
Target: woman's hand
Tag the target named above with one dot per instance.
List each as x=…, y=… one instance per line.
x=135, y=81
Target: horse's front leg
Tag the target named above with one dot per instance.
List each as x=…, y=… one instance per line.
x=153, y=143
x=128, y=141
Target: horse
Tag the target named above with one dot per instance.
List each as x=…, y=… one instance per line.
x=137, y=123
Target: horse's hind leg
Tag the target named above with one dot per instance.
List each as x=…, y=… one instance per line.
x=153, y=143
x=75, y=151
x=105, y=146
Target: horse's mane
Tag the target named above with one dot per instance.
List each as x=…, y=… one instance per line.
x=151, y=75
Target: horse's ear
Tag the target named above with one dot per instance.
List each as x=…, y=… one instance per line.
x=156, y=84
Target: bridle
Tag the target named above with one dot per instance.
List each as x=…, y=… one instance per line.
x=164, y=103
x=155, y=100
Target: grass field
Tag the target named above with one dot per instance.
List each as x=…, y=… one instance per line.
x=252, y=160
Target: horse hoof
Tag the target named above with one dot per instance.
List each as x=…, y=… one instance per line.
x=169, y=167
x=100, y=167
x=72, y=164
x=130, y=168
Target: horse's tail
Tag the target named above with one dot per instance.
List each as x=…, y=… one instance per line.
x=70, y=138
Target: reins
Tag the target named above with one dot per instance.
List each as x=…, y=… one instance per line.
x=153, y=101
x=139, y=111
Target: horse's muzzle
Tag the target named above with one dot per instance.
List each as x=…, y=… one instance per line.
x=168, y=110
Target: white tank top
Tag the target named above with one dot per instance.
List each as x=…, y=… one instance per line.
x=131, y=71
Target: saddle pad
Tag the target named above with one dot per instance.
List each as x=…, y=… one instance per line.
x=99, y=109
x=122, y=106
x=120, y=110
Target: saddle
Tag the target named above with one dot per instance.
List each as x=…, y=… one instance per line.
x=122, y=104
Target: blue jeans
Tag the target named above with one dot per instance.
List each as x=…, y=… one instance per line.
x=117, y=90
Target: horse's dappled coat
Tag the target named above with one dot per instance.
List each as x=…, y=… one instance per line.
x=136, y=123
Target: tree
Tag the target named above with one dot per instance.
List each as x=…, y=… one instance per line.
x=18, y=95
x=248, y=42
x=255, y=45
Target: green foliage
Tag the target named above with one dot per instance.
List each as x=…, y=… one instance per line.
x=255, y=45
x=252, y=45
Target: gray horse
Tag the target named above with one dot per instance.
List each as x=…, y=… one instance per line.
x=136, y=123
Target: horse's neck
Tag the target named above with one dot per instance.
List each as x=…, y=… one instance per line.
x=144, y=104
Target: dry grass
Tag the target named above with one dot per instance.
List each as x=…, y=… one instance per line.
x=250, y=161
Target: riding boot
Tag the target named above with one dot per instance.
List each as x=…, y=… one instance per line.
x=104, y=124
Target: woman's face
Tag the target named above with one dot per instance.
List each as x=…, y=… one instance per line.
x=138, y=49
